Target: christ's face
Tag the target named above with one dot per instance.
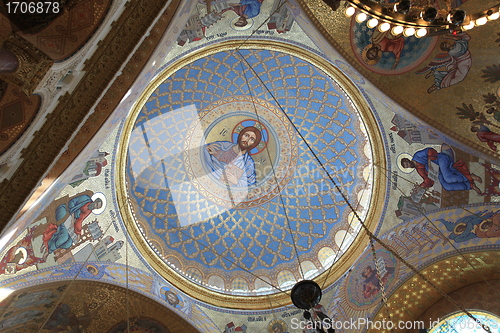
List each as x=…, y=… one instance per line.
x=247, y=140
x=171, y=298
x=372, y=53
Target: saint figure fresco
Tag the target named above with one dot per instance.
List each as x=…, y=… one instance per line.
x=231, y=162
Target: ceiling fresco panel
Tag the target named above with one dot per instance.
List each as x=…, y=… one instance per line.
x=435, y=69
x=214, y=196
x=255, y=213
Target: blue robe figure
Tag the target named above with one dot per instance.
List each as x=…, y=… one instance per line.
x=462, y=230
x=223, y=162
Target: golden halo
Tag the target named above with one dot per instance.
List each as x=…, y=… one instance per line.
x=458, y=225
x=482, y=225
x=101, y=196
x=25, y=255
x=95, y=271
x=284, y=326
x=399, y=158
x=371, y=62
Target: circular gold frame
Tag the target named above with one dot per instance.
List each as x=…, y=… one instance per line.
x=330, y=275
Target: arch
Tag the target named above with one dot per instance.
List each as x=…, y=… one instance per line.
x=92, y=306
x=216, y=281
x=285, y=278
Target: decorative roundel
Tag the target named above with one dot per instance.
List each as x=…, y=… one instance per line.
x=223, y=187
x=255, y=124
x=222, y=170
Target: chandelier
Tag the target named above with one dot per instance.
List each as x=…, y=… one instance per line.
x=417, y=18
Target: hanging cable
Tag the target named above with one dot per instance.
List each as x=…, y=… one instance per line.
x=350, y=226
x=424, y=214
x=370, y=234
x=274, y=173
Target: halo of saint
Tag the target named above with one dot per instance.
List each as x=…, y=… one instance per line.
x=241, y=152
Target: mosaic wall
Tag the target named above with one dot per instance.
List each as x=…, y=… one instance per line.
x=435, y=69
x=443, y=204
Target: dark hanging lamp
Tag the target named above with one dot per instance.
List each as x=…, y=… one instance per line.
x=306, y=294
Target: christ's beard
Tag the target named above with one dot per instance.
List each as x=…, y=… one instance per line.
x=242, y=147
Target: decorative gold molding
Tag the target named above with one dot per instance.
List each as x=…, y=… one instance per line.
x=72, y=109
x=328, y=277
x=415, y=296
x=32, y=66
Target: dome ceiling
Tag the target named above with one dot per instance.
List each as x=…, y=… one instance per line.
x=176, y=225
x=230, y=219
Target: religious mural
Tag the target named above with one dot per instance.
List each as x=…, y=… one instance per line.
x=452, y=65
x=437, y=174
x=378, y=271
x=203, y=169
x=27, y=311
x=485, y=224
x=68, y=231
x=254, y=152
x=386, y=53
x=209, y=16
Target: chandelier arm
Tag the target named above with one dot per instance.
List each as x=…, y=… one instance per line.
x=381, y=282
x=448, y=19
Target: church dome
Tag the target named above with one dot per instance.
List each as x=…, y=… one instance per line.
x=231, y=167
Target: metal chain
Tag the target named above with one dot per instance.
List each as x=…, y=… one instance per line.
x=381, y=282
x=417, y=272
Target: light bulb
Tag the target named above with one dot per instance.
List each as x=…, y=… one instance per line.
x=422, y=32
x=350, y=11
x=384, y=27
x=397, y=30
x=361, y=17
x=481, y=20
x=494, y=16
x=469, y=26
x=372, y=23
x=409, y=32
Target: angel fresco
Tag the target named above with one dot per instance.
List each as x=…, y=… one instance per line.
x=480, y=225
x=452, y=65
